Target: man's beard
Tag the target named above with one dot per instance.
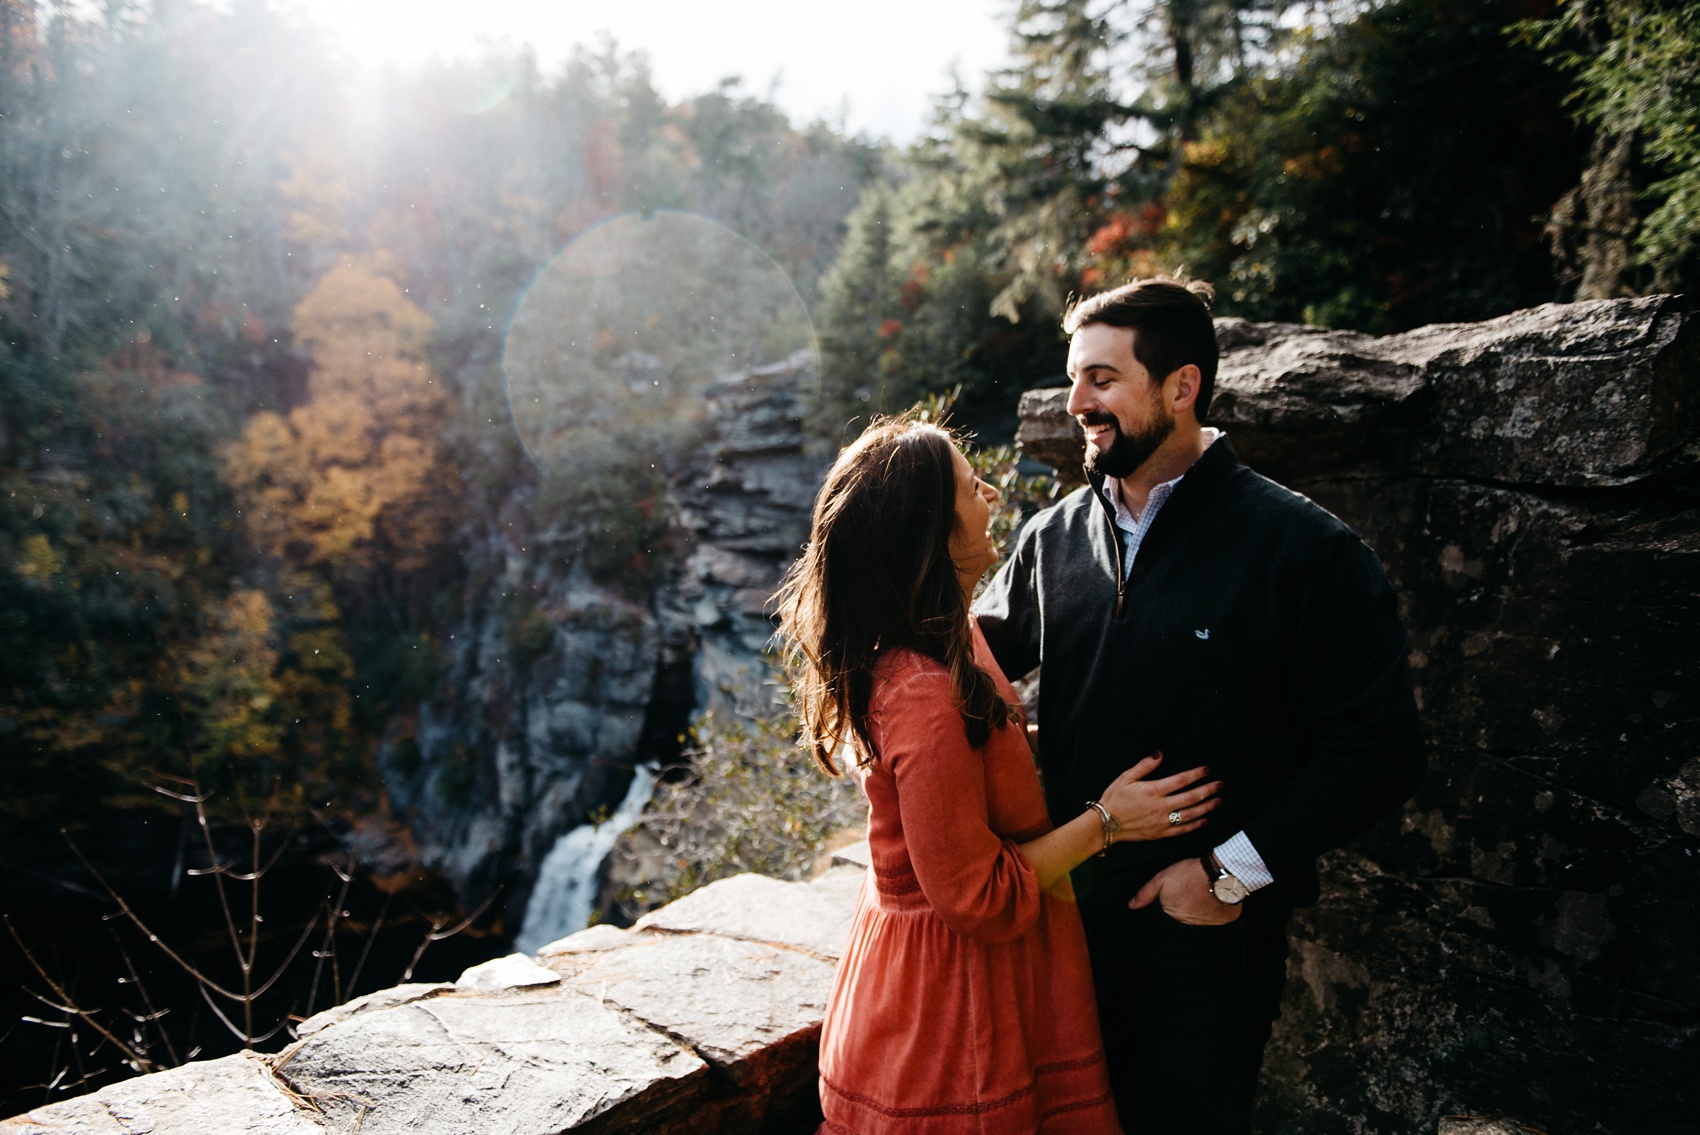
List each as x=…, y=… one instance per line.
x=1129, y=451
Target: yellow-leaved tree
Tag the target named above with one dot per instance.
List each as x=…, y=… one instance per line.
x=226, y=677
x=355, y=472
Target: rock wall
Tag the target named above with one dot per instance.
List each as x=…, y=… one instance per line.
x=1523, y=938
x=555, y=685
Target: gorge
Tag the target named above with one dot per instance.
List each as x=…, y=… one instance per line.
x=1519, y=941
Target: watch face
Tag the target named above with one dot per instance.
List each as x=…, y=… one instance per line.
x=1229, y=890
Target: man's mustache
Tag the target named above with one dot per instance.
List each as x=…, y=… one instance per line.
x=1099, y=418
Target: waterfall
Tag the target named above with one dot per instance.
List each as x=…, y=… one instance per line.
x=566, y=882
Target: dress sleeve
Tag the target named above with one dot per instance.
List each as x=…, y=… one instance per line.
x=981, y=885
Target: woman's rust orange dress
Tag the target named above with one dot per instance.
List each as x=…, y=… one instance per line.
x=963, y=1002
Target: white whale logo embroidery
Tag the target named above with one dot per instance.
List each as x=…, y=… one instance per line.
x=1205, y=633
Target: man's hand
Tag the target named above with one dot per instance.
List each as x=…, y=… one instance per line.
x=1183, y=890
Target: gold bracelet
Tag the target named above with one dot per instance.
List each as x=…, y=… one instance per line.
x=1112, y=826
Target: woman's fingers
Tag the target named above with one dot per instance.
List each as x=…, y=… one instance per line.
x=1193, y=795
x=1140, y=771
x=1198, y=811
x=1181, y=829
x=1169, y=785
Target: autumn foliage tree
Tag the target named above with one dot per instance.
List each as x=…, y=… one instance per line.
x=354, y=475
x=349, y=495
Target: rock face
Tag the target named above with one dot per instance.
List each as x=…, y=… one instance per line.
x=705, y=1020
x=555, y=685
x=1523, y=938
x=743, y=505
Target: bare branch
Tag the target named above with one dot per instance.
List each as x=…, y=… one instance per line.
x=125, y=909
x=439, y=934
x=137, y=1060
x=283, y=965
x=219, y=1013
x=371, y=936
x=154, y=1016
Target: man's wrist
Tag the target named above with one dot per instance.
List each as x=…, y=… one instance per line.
x=1239, y=857
x=1224, y=886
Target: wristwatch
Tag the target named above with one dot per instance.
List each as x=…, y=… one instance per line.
x=1223, y=885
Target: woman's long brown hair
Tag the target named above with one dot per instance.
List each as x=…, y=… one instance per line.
x=877, y=575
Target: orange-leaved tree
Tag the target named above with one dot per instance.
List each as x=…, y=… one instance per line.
x=355, y=473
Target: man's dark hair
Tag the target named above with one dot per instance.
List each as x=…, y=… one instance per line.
x=1171, y=325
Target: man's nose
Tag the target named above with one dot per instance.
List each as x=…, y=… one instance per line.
x=1080, y=398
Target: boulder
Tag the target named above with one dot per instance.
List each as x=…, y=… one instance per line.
x=729, y=1000
x=1048, y=434
x=1588, y=394
x=1521, y=938
x=602, y=936
x=1482, y=1125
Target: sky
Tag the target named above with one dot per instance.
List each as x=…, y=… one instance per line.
x=876, y=64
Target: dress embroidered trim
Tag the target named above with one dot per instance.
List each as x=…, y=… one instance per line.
x=983, y=1106
x=979, y=1108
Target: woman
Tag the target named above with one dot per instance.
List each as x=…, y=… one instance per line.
x=963, y=1001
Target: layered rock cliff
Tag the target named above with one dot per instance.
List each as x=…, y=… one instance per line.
x=1523, y=937
x=556, y=685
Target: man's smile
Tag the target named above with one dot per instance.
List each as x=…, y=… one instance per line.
x=1099, y=424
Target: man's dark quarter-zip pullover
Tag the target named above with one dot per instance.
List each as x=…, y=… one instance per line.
x=1257, y=634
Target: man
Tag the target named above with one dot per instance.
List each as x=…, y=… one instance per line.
x=1181, y=604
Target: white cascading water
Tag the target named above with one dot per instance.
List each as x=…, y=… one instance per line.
x=566, y=883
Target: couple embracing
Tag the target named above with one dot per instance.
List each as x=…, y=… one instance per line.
x=1087, y=934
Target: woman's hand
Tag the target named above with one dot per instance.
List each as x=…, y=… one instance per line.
x=1143, y=806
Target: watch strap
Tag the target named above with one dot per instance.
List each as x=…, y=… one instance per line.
x=1215, y=872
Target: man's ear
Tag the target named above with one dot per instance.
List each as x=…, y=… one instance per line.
x=1181, y=387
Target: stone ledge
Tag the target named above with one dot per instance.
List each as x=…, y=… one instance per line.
x=521, y=1061
x=236, y=1094
x=812, y=917
x=703, y=1018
